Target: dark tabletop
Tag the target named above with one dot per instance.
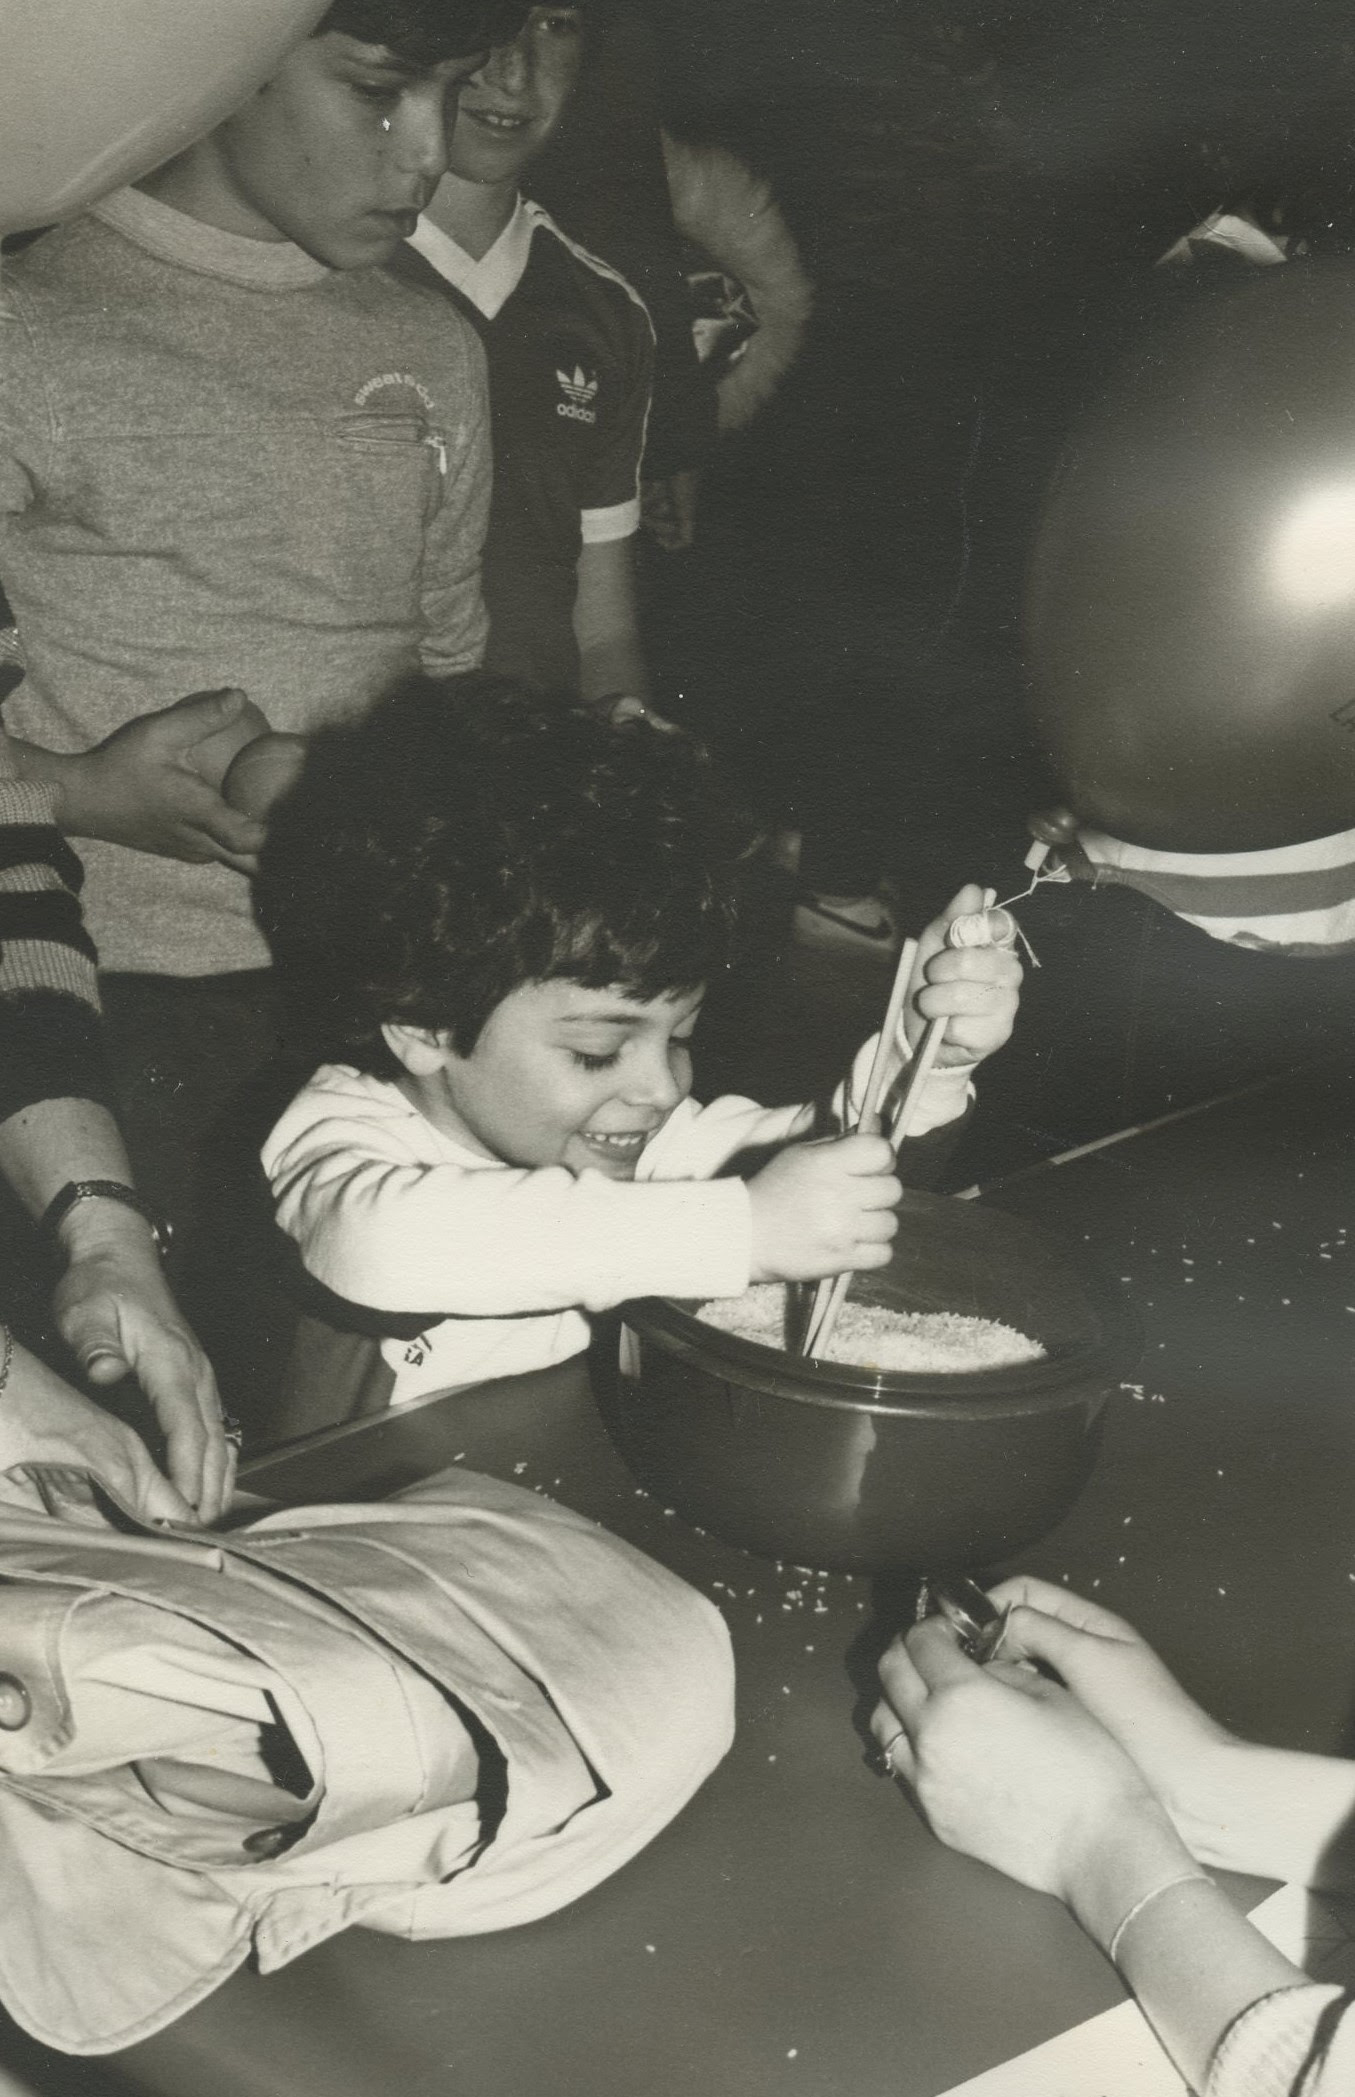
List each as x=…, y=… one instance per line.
x=797, y=1928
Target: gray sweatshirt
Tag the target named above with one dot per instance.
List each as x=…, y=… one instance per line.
x=223, y=464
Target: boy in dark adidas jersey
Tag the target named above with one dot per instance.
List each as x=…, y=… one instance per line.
x=570, y=353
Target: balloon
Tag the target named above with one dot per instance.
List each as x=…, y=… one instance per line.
x=94, y=93
x=1191, y=611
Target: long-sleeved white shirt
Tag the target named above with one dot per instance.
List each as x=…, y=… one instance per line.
x=1298, y=2042
x=391, y=1213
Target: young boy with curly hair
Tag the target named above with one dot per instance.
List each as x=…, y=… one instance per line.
x=505, y=913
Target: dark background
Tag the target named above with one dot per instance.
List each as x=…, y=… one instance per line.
x=979, y=191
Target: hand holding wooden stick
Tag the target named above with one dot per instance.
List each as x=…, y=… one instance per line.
x=992, y=927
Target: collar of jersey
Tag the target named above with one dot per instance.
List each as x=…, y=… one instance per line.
x=262, y=265
x=490, y=282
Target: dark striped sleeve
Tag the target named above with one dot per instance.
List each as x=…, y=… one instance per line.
x=43, y=941
x=51, y=1047
x=51, y=1040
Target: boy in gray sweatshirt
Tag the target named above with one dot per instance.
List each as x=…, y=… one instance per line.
x=234, y=453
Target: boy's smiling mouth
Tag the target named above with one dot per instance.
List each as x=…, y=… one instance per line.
x=629, y=1144
x=495, y=119
x=613, y=1152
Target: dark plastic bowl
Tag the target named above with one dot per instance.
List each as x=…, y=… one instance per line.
x=868, y=1471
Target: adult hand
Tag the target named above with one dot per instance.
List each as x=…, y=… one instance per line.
x=1118, y=1678
x=1010, y=1767
x=976, y=989
x=1015, y=1770
x=43, y=1421
x=142, y=787
x=116, y=1314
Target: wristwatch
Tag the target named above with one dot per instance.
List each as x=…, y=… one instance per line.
x=74, y=1191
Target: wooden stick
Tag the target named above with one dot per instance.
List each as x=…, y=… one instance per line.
x=889, y=1026
x=919, y=1070
x=979, y=928
x=823, y=1323
x=865, y=1122
x=1140, y=1128
x=828, y=1302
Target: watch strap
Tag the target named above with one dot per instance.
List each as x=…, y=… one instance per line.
x=75, y=1191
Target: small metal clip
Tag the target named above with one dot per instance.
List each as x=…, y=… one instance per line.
x=979, y=1628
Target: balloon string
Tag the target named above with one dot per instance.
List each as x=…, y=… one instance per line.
x=1037, y=880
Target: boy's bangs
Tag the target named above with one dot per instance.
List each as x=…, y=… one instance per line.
x=474, y=837
x=427, y=31
x=664, y=955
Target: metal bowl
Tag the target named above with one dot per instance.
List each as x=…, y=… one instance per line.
x=880, y=1471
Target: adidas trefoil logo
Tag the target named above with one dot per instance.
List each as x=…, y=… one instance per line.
x=579, y=390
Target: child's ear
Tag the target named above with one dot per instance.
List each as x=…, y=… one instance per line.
x=422, y=1051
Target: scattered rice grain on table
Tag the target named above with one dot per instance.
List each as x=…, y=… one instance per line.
x=926, y=1343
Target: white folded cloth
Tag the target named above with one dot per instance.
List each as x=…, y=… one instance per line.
x=449, y=1712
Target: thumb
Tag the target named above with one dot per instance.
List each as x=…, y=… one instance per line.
x=104, y=1364
x=861, y=1155
x=934, y=1651
x=970, y=899
x=230, y=830
x=931, y=942
x=1031, y=1635
x=92, y=1333
x=202, y=713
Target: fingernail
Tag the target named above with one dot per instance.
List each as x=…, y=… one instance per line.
x=100, y=1355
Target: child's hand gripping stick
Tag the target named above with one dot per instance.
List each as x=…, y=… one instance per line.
x=991, y=927
x=976, y=928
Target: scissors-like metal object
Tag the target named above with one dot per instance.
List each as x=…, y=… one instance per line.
x=979, y=1627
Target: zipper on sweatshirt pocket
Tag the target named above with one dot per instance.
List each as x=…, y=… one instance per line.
x=379, y=433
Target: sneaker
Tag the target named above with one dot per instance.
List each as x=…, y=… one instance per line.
x=862, y=923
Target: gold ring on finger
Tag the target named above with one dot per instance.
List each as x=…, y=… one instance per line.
x=885, y=1754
